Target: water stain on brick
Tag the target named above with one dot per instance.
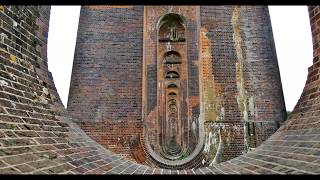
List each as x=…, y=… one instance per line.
x=243, y=96
x=232, y=39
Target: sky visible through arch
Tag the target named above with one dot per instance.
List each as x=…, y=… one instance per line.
x=291, y=31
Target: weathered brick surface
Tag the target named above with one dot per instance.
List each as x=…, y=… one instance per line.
x=107, y=50
x=122, y=138
x=238, y=86
x=48, y=143
x=105, y=91
x=245, y=73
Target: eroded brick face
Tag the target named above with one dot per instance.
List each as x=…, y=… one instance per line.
x=29, y=126
x=229, y=82
x=36, y=137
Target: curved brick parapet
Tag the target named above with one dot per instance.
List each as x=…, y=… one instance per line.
x=36, y=137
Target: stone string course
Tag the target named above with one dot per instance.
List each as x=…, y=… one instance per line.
x=37, y=138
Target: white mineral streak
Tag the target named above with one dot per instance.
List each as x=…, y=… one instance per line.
x=242, y=99
x=4, y=83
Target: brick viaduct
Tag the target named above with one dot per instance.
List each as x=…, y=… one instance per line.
x=38, y=136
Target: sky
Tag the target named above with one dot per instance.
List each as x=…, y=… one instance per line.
x=291, y=31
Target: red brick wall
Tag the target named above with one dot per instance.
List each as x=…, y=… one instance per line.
x=260, y=72
x=189, y=76
x=34, y=139
x=123, y=138
x=105, y=91
x=106, y=85
x=311, y=89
